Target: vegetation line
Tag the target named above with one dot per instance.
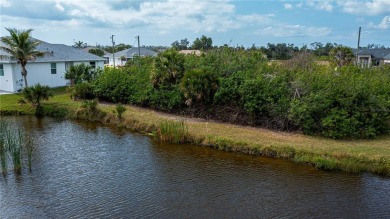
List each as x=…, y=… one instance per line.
x=351, y=156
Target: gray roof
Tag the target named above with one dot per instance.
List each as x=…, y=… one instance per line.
x=130, y=53
x=376, y=53
x=387, y=57
x=61, y=52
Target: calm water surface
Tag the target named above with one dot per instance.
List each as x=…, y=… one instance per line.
x=82, y=170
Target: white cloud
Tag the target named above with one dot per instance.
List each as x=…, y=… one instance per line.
x=371, y=7
x=384, y=24
x=320, y=5
x=59, y=7
x=288, y=6
x=5, y=3
x=294, y=30
x=325, y=5
x=163, y=15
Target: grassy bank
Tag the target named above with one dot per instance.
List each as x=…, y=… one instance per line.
x=346, y=155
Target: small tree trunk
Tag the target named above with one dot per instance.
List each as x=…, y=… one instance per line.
x=24, y=75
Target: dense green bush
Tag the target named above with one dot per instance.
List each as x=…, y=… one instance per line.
x=35, y=95
x=113, y=85
x=297, y=94
x=171, y=99
x=82, y=91
x=199, y=86
x=141, y=69
x=348, y=103
x=79, y=73
x=168, y=69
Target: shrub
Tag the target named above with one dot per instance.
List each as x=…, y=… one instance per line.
x=228, y=90
x=343, y=105
x=199, y=85
x=340, y=56
x=119, y=110
x=166, y=99
x=168, y=69
x=35, y=95
x=82, y=91
x=79, y=73
x=89, y=105
x=113, y=85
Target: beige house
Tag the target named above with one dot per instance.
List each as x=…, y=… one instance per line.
x=190, y=52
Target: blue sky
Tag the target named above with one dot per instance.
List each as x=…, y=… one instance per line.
x=233, y=22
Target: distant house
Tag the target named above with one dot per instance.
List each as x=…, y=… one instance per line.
x=190, y=52
x=47, y=70
x=123, y=56
x=387, y=59
x=373, y=57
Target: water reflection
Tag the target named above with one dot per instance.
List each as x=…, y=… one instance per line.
x=86, y=170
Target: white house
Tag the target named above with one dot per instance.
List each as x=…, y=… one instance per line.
x=123, y=56
x=47, y=70
x=387, y=59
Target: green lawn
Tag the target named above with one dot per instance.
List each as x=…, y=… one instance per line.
x=348, y=155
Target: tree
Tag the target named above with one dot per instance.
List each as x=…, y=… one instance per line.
x=97, y=52
x=280, y=51
x=183, y=44
x=79, y=44
x=36, y=94
x=204, y=43
x=79, y=73
x=340, y=56
x=21, y=47
x=168, y=69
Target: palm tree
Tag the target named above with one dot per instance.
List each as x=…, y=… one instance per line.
x=79, y=44
x=340, y=56
x=21, y=47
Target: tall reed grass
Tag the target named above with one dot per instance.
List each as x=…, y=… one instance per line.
x=15, y=145
x=13, y=142
x=173, y=131
x=30, y=147
x=3, y=147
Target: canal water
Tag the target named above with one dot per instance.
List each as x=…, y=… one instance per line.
x=83, y=170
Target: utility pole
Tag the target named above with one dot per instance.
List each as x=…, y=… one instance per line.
x=139, y=48
x=113, y=49
x=358, y=45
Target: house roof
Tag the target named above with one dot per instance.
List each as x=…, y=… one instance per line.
x=130, y=53
x=376, y=53
x=61, y=52
x=190, y=52
x=387, y=57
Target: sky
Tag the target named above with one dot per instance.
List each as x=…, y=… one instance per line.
x=232, y=22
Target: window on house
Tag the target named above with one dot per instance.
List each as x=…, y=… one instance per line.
x=1, y=70
x=53, y=68
x=92, y=64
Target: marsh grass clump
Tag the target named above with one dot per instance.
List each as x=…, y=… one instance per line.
x=14, y=144
x=173, y=131
x=90, y=105
x=89, y=110
x=3, y=147
x=119, y=110
x=29, y=147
